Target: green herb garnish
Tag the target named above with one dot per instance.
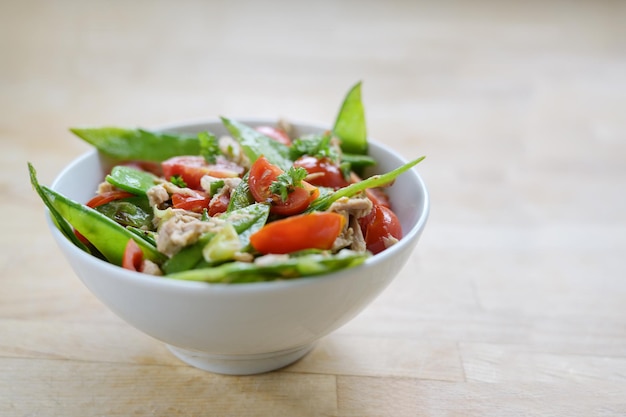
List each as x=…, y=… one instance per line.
x=178, y=181
x=288, y=181
x=319, y=146
x=209, y=147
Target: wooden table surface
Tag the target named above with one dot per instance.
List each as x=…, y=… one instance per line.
x=513, y=303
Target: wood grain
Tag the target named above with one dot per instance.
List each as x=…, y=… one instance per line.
x=514, y=302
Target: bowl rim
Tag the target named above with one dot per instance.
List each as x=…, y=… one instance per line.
x=182, y=285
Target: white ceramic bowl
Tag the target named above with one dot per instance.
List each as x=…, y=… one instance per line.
x=242, y=328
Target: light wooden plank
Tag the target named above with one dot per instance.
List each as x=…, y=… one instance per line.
x=515, y=363
x=386, y=357
x=75, y=341
x=407, y=397
x=75, y=388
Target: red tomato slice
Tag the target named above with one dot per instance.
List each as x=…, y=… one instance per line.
x=330, y=174
x=378, y=197
x=219, y=204
x=107, y=197
x=261, y=176
x=305, y=231
x=196, y=203
x=192, y=168
x=133, y=256
x=275, y=133
x=379, y=225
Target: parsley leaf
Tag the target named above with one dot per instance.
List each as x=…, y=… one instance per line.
x=178, y=181
x=319, y=146
x=209, y=147
x=288, y=181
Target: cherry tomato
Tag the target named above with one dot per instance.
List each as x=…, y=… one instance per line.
x=316, y=230
x=330, y=174
x=378, y=226
x=107, y=197
x=261, y=176
x=133, y=256
x=275, y=133
x=378, y=197
x=218, y=204
x=196, y=203
x=192, y=168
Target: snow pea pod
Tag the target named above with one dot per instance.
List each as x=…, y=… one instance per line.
x=139, y=144
x=60, y=222
x=105, y=234
x=131, y=179
x=241, y=196
x=358, y=162
x=147, y=235
x=323, y=202
x=188, y=257
x=255, y=144
x=247, y=221
x=293, y=267
x=132, y=212
x=350, y=124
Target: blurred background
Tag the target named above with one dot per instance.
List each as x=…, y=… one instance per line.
x=519, y=86
x=519, y=107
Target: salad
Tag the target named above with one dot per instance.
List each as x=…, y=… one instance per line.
x=261, y=203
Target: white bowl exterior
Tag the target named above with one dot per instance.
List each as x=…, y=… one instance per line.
x=243, y=319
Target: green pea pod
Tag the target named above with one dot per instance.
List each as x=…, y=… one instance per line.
x=131, y=179
x=358, y=162
x=246, y=217
x=215, y=186
x=139, y=144
x=294, y=267
x=350, y=125
x=188, y=257
x=61, y=223
x=245, y=221
x=241, y=196
x=255, y=144
x=147, y=235
x=323, y=202
x=105, y=234
x=127, y=213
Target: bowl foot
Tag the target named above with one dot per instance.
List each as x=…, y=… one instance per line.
x=240, y=364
